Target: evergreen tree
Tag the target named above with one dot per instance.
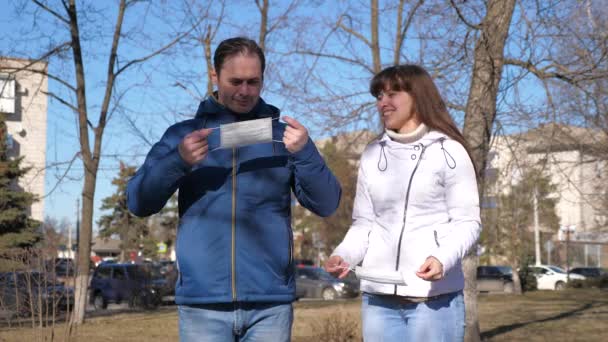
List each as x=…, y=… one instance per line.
x=17, y=228
x=132, y=231
x=509, y=228
x=169, y=221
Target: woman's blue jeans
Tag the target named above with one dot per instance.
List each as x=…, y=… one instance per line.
x=239, y=321
x=387, y=319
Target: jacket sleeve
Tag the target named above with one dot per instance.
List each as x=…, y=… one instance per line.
x=462, y=199
x=354, y=246
x=315, y=186
x=155, y=181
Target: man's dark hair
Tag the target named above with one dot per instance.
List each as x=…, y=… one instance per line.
x=234, y=46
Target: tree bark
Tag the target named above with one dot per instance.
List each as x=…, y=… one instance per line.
x=89, y=160
x=479, y=118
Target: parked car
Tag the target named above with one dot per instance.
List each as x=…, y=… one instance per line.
x=589, y=272
x=315, y=282
x=549, y=277
x=164, y=276
x=32, y=292
x=120, y=283
x=494, y=279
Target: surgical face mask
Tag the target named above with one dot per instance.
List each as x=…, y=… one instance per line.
x=246, y=133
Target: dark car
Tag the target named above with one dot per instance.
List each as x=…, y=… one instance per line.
x=494, y=279
x=133, y=284
x=315, y=282
x=589, y=272
x=33, y=292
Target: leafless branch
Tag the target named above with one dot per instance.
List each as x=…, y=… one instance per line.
x=55, y=14
x=349, y=30
x=403, y=27
x=462, y=18
x=61, y=100
x=159, y=51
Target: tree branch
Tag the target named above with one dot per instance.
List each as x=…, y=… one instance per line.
x=340, y=58
x=351, y=31
x=463, y=19
x=402, y=29
x=62, y=101
x=55, y=14
x=159, y=51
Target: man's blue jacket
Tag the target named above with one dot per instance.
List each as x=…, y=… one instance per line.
x=234, y=240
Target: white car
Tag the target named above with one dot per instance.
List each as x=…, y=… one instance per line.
x=549, y=277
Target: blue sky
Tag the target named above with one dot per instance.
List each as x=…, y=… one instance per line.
x=153, y=101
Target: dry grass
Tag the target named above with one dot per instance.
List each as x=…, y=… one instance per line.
x=573, y=315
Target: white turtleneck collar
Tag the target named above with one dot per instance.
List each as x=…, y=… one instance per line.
x=410, y=137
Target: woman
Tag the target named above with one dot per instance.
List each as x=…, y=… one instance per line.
x=416, y=214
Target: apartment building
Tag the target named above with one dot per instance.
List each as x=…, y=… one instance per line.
x=574, y=158
x=23, y=102
x=576, y=161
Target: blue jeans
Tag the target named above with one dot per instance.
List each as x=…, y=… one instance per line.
x=237, y=321
x=387, y=319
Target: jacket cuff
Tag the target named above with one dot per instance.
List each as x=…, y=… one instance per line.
x=446, y=262
x=177, y=160
x=306, y=152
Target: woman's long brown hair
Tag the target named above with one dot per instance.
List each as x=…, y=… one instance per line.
x=429, y=104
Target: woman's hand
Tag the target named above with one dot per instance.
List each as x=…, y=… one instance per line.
x=431, y=270
x=336, y=266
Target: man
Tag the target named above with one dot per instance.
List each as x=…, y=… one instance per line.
x=234, y=242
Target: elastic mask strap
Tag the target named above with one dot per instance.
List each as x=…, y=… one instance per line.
x=219, y=148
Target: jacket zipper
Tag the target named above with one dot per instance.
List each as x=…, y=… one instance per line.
x=436, y=238
x=407, y=198
x=233, y=247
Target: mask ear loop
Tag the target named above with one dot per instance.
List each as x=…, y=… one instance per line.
x=219, y=148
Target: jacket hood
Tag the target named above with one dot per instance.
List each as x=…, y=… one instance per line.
x=211, y=108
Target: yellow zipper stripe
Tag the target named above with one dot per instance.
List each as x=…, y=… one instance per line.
x=234, y=224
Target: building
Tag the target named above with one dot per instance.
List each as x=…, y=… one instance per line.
x=23, y=102
x=576, y=160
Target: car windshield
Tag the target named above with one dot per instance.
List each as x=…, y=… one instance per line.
x=556, y=269
x=505, y=270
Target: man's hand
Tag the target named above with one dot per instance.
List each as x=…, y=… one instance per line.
x=295, y=136
x=431, y=269
x=193, y=147
x=336, y=266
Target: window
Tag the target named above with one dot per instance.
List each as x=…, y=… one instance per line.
x=104, y=272
x=119, y=273
x=10, y=142
x=7, y=94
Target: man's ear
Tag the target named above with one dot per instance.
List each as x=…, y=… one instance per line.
x=214, y=77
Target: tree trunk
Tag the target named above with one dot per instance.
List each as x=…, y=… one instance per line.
x=84, y=246
x=479, y=118
x=517, y=289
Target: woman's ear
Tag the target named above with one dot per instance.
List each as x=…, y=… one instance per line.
x=214, y=77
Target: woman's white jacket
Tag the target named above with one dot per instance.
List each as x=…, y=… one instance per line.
x=413, y=201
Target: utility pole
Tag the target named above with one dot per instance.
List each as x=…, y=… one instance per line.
x=536, y=228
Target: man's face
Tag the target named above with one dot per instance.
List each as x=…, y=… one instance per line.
x=239, y=82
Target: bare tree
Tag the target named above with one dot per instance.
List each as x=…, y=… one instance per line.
x=480, y=113
x=70, y=20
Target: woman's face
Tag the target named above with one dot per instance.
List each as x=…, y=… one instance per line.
x=397, y=111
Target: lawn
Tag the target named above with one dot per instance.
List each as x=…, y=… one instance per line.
x=572, y=315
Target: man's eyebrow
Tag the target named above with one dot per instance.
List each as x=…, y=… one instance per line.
x=236, y=79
